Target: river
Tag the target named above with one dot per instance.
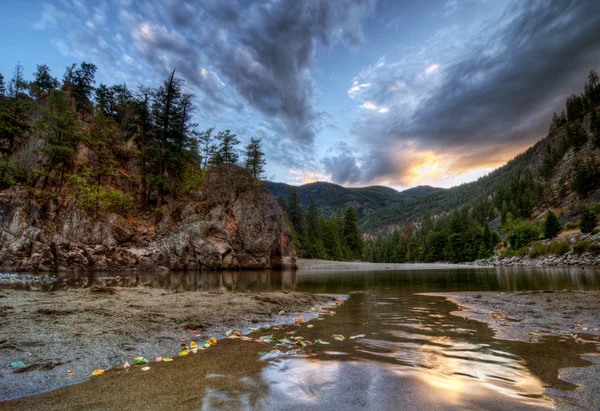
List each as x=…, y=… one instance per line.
x=410, y=353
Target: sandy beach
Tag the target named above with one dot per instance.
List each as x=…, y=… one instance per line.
x=99, y=327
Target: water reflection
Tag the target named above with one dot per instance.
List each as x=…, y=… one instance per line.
x=234, y=281
x=417, y=356
x=404, y=282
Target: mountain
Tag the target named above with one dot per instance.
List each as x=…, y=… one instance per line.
x=561, y=171
x=422, y=190
x=333, y=199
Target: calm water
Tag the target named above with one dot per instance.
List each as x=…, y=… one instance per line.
x=414, y=354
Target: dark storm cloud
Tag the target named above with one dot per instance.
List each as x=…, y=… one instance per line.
x=237, y=55
x=342, y=168
x=265, y=56
x=496, y=95
x=269, y=64
x=348, y=168
x=544, y=51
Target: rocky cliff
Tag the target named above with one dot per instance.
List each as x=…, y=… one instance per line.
x=232, y=222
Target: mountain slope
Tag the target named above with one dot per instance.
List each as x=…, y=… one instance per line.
x=334, y=199
x=561, y=170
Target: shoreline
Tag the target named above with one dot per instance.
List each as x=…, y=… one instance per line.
x=328, y=265
x=306, y=265
x=531, y=316
x=81, y=330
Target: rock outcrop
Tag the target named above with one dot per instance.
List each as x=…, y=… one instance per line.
x=232, y=222
x=571, y=258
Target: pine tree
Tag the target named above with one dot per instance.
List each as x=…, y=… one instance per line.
x=227, y=144
x=331, y=239
x=588, y=221
x=17, y=85
x=255, y=158
x=593, y=79
x=206, y=147
x=14, y=119
x=351, y=236
x=42, y=82
x=59, y=127
x=295, y=214
x=81, y=83
x=553, y=226
x=313, y=245
x=2, y=86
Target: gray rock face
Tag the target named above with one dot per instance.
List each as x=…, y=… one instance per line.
x=234, y=222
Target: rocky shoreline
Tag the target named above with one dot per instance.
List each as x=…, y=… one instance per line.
x=80, y=330
x=570, y=259
x=328, y=265
x=575, y=257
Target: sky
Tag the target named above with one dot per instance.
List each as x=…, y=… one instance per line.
x=355, y=92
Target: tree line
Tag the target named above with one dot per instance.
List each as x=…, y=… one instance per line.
x=337, y=238
x=512, y=195
x=151, y=129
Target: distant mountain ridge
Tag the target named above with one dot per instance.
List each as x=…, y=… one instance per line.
x=333, y=199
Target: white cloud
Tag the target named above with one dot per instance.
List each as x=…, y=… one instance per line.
x=356, y=87
x=432, y=68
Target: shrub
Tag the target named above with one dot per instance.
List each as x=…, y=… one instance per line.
x=96, y=199
x=523, y=235
x=581, y=246
x=559, y=247
x=571, y=225
x=594, y=249
x=506, y=253
x=588, y=221
x=8, y=171
x=537, y=250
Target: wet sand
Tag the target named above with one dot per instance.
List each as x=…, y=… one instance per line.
x=531, y=316
x=99, y=328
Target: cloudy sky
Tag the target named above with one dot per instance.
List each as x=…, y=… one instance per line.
x=357, y=92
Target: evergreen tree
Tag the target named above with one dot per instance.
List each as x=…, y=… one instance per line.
x=2, y=86
x=17, y=85
x=255, y=158
x=206, y=146
x=331, y=239
x=59, y=127
x=313, y=244
x=14, y=121
x=80, y=81
x=295, y=214
x=593, y=79
x=351, y=236
x=227, y=144
x=42, y=82
x=173, y=137
x=588, y=221
x=553, y=226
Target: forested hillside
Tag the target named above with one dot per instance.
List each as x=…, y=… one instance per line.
x=332, y=199
x=561, y=169
x=108, y=177
x=553, y=185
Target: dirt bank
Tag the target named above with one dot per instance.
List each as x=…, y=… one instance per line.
x=98, y=328
x=530, y=316
x=326, y=265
